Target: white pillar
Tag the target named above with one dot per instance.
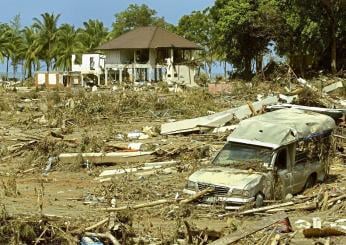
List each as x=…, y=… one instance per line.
x=134, y=73
x=98, y=79
x=172, y=55
x=82, y=80
x=106, y=77
x=120, y=75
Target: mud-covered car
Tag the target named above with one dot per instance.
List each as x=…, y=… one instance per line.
x=267, y=157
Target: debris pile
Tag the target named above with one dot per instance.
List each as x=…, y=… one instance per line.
x=110, y=167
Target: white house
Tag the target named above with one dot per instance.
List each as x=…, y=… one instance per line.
x=150, y=54
x=89, y=65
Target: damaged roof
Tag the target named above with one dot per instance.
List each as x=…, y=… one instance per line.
x=148, y=37
x=281, y=127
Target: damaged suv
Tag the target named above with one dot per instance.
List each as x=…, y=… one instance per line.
x=267, y=157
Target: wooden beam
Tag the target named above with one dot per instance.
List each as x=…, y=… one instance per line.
x=240, y=234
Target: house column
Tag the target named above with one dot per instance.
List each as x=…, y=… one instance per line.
x=82, y=80
x=106, y=76
x=98, y=80
x=172, y=55
x=120, y=75
x=134, y=72
x=152, y=61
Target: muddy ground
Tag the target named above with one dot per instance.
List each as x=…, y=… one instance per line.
x=35, y=125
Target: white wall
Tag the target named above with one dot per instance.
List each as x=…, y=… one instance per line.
x=98, y=60
x=41, y=78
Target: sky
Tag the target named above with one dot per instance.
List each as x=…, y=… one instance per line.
x=77, y=11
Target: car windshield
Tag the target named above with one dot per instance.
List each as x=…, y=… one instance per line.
x=235, y=153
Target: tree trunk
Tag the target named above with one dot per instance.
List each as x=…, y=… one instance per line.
x=247, y=70
x=48, y=65
x=29, y=70
x=329, y=7
x=259, y=62
x=225, y=69
x=333, y=45
x=14, y=71
x=7, y=61
x=210, y=65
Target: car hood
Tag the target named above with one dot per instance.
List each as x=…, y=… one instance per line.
x=225, y=176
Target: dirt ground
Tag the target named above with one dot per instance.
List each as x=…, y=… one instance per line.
x=71, y=195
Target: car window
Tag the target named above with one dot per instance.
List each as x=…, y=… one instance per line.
x=236, y=152
x=281, y=159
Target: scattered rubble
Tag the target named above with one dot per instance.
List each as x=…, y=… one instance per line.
x=109, y=167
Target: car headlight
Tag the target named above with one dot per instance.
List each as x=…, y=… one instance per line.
x=246, y=193
x=239, y=192
x=191, y=185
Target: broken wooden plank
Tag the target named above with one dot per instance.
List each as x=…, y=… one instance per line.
x=335, y=199
x=217, y=119
x=240, y=234
x=112, y=157
x=332, y=87
x=138, y=206
x=334, y=113
x=160, y=202
x=301, y=207
x=262, y=209
x=147, y=167
x=197, y=196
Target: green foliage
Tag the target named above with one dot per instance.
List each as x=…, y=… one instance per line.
x=68, y=43
x=92, y=34
x=199, y=27
x=30, y=49
x=47, y=29
x=244, y=30
x=6, y=46
x=314, y=28
x=136, y=16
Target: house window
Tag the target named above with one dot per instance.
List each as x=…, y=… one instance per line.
x=92, y=63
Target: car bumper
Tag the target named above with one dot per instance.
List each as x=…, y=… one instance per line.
x=230, y=200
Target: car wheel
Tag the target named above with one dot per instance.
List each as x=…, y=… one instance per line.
x=310, y=182
x=259, y=200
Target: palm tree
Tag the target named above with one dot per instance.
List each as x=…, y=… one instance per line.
x=93, y=34
x=16, y=39
x=30, y=50
x=68, y=44
x=47, y=29
x=6, y=44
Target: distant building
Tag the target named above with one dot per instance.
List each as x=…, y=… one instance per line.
x=150, y=54
x=91, y=65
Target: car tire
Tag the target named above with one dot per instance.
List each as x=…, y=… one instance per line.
x=310, y=182
x=259, y=201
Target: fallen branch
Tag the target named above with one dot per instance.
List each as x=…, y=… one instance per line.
x=304, y=207
x=160, y=202
x=335, y=199
x=256, y=210
x=238, y=235
x=104, y=235
x=143, y=205
x=197, y=196
x=104, y=221
x=39, y=238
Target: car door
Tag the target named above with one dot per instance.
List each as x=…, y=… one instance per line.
x=300, y=170
x=284, y=172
